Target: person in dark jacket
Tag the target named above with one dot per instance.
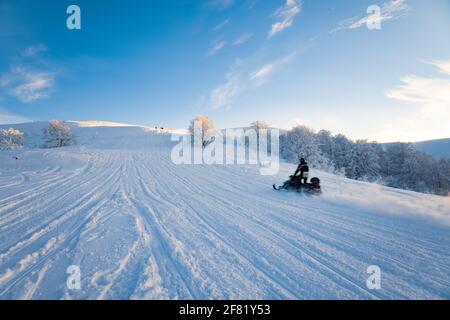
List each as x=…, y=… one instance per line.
x=303, y=169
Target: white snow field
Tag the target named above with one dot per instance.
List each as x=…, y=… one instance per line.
x=141, y=227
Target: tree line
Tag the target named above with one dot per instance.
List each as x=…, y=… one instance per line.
x=55, y=134
x=398, y=165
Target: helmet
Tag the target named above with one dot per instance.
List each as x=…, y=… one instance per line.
x=302, y=160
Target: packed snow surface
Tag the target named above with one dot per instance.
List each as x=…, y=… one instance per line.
x=140, y=227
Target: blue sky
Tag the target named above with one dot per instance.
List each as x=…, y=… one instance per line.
x=288, y=62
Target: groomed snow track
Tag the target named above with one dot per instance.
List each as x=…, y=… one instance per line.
x=141, y=227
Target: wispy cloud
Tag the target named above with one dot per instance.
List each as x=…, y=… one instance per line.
x=221, y=4
x=425, y=90
x=249, y=74
x=285, y=15
x=34, y=50
x=221, y=25
x=239, y=80
x=26, y=85
x=261, y=75
x=391, y=10
x=243, y=39
x=442, y=65
x=25, y=80
x=223, y=95
x=216, y=47
x=431, y=98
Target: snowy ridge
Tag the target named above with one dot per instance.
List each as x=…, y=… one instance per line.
x=436, y=148
x=141, y=227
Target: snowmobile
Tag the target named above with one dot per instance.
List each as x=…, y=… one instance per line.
x=293, y=184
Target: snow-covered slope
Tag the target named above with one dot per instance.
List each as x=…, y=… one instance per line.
x=141, y=227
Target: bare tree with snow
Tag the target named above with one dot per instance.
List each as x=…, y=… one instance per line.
x=199, y=127
x=10, y=139
x=57, y=134
x=259, y=125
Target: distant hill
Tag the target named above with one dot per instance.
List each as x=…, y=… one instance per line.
x=436, y=148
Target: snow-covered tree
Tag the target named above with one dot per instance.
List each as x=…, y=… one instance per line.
x=443, y=177
x=366, y=161
x=399, y=165
x=409, y=168
x=57, y=134
x=342, y=153
x=203, y=124
x=10, y=139
x=326, y=143
x=301, y=142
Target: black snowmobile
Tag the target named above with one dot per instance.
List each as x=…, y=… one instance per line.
x=294, y=184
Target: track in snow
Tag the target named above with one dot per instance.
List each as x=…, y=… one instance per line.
x=141, y=227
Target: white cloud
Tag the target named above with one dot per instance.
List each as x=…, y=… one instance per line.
x=286, y=15
x=221, y=4
x=261, y=75
x=239, y=80
x=216, y=47
x=223, y=95
x=391, y=10
x=243, y=39
x=263, y=72
x=34, y=50
x=430, y=97
x=442, y=65
x=221, y=25
x=421, y=90
x=25, y=83
x=27, y=86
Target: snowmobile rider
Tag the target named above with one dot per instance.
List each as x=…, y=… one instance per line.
x=303, y=169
